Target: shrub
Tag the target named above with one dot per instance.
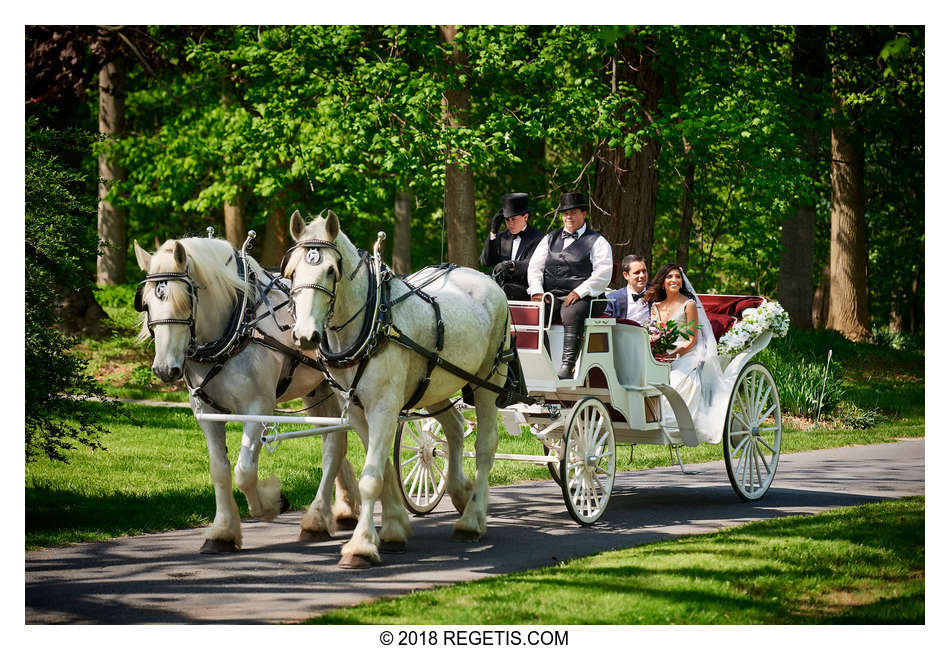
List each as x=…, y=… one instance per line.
x=901, y=341
x=854, y=417
x=800, y=387
x=60, y=231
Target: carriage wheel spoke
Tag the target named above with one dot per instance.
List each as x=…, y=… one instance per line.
x=738, y=447
x=410, y=459
x=765, y=415
x=765, y=461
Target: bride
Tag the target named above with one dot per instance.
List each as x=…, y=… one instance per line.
x=695, y=373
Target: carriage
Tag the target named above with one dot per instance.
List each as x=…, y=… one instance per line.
x=497, y=353
x=616, y=397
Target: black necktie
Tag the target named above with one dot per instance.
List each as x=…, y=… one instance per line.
x=569, y=235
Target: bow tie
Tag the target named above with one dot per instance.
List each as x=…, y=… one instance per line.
x=569, y=235
x=638, y=296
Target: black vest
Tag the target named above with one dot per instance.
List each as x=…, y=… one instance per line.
x=567, y=268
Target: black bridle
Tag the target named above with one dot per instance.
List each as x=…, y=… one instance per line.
x=313, y=257
x=162, y=279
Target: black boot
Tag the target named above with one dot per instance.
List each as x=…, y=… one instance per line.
x=569, y=352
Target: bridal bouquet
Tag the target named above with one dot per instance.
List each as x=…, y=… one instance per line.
x=767, y=316
x=663, y=336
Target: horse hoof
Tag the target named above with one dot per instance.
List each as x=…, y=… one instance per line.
x=214, y=546
x=314, y=536
x=353, y=561
x=392, y=547
x=284, y=503
x=347, y=523
x=465, y=536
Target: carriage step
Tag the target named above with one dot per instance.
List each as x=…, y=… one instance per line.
x=525, y=458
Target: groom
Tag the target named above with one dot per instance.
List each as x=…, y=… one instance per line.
x=628, y=302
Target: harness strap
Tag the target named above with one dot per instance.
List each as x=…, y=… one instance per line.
x=200, y=390
x=394, y=334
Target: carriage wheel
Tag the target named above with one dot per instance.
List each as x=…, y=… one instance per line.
x=589, y=461
x=752, y=437
x=554, y=467
x=420, y=461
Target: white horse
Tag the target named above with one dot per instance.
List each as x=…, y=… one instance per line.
x=192, y=293
x=331, y=289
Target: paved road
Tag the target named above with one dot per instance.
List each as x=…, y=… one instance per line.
x=161, y=578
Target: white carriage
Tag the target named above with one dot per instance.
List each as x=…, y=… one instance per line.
x=613, y=399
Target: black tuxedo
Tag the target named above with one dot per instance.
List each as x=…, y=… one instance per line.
x=499, y=250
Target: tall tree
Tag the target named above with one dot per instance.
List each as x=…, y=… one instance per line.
x=234, y=230
x=402, y=233
x=459, y=178
x=848, y=298
x=809, y=70
x=623, y=203
x=110, y=267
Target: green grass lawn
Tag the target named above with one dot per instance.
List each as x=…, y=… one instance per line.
x=857, y=565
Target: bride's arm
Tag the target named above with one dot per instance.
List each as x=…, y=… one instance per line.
x=691, y=315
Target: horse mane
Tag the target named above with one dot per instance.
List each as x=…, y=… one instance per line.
x=210, y=270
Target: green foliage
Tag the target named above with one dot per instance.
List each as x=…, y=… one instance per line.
x=855, y=418
x=903, y=341
x=346, y=116
x=59, y=237
x=801, y=385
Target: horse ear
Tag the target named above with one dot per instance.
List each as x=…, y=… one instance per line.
x=333, y=225
x=297, y=225
x=181, y=257
x=143, y=258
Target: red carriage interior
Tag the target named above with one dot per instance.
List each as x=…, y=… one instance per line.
x=723, y=312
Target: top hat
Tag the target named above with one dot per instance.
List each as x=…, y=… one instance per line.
x=572, y=200
x=514, y=204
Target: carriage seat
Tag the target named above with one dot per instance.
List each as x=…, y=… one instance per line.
x=726, y=311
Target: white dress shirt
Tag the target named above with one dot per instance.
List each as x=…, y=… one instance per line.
x=515, y=245
x=637, y=310
x=601, y=259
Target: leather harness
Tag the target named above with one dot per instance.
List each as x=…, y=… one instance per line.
x=378, y=327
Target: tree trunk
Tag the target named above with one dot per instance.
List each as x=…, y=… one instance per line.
x=110, y=265
x=234, y=230
x=798, y=228
x=80, y=314
x=848, y=309
x=686, y=204
x=402, y=233
x=623, y=204
x=276, y=233
x=459, y=205
x=819, y=309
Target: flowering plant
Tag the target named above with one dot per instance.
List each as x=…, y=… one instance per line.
x=767, y=316
x=663, y=336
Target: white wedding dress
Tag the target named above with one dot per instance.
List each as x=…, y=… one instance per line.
x=698, y=378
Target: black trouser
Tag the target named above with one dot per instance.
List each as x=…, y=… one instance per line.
x=571, y=315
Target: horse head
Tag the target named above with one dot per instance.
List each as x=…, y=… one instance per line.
x=167, y=297
x=314, y=266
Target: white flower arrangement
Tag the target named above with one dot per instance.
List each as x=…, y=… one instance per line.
x=767, y=316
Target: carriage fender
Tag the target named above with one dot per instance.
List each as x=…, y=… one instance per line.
x=687, y=430
x=730, y=369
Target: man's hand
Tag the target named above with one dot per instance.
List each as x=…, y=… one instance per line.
x=496, y=221
x=571, y=298
x=537, y=297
